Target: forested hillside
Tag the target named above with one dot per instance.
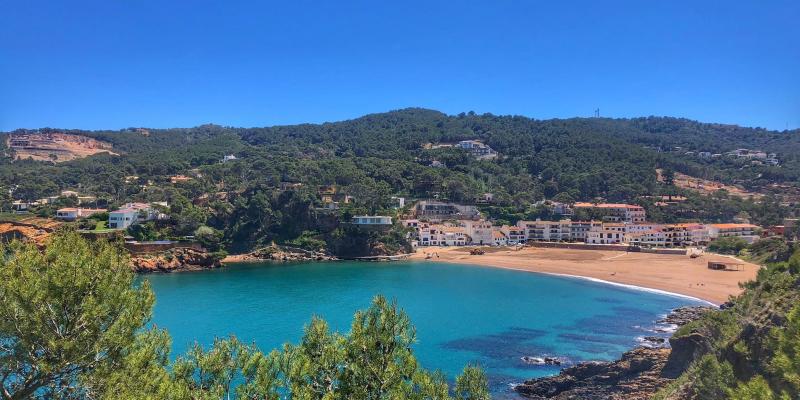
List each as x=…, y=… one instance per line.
x=396, y=154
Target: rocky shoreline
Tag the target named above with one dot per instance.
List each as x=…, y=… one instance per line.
x=175, y=260
x=637, y=375
x=280, y=253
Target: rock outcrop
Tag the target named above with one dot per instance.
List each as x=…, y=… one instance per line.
x=281, y=253
x=637, y=375
x=174, y=260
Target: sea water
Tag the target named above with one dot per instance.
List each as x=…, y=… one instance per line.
x=463, y=314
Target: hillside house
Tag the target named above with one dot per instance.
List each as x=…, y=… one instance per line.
x=439, y=211
x=72, y=213
x=616, y=212
x=477, y=148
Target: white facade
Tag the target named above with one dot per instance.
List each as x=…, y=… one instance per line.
x=628, y=213
x=514, y=234
x=123, y=218
x=480, y=231
x=744, y=231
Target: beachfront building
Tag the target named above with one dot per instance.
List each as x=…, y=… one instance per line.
x=72, y=213
x=546, y=231
x=579, y=230
x=616, y=212
x=747, y=232
x=608, y=233
x=442, y=235
x=514, y=234
x=647, y=238
x=499, y=238
x=687, y=234
x=564, y=230
x=435, y=211
x=480, y=232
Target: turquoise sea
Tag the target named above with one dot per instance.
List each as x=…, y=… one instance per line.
x=462, y=313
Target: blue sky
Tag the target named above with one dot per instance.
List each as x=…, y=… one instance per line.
x=116, y=64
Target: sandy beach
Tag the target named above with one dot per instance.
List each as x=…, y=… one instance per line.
x=672, y=273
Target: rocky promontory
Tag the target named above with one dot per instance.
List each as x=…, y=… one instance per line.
x=637, y=375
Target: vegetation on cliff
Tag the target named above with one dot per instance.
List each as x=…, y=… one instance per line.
x=750, y=350
x=73, y=325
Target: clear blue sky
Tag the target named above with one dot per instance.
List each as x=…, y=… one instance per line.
x=115, y=64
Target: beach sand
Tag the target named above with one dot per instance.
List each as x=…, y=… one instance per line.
x=672, y=273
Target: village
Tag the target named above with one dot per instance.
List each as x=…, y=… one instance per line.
x=440, y=223
x=447, y=224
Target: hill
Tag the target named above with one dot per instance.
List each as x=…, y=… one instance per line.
x=409, y=153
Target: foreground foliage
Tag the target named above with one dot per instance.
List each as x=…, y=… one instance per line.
x=72, y=326
x=752, y=349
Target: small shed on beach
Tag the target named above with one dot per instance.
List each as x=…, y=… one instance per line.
x=725, y=265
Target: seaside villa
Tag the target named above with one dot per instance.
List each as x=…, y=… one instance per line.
x=72, y=213
x=132, y=213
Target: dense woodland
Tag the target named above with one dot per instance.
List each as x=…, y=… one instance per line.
x=378, y=156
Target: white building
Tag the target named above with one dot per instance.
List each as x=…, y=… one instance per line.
x=616, y=212
x=71, y=213
x=480, y=232
x=744, y=231
x=133, y=213
x=477, y=148
x=514, y=234
x=609, y=233
x=123, y=218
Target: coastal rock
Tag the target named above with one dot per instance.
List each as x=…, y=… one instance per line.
x=173, y=260
x=683, y=315
x=281, y=253
x=637, y=375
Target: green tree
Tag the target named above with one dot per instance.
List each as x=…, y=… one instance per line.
x=472, y=384
x=380, y=362
x=65, y=312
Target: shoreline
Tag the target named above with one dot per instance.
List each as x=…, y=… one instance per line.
x=673, y=275
x=623, y=285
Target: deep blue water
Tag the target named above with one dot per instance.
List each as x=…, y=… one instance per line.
x=462, y=313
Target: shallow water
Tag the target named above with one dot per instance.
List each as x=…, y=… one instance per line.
x=462, y=313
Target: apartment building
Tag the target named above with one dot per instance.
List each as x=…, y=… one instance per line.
x=608, y=233
x=514, y=234
x=747, y=232
x=616, y=212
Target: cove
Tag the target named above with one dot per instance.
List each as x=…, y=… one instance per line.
x=462, y=313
